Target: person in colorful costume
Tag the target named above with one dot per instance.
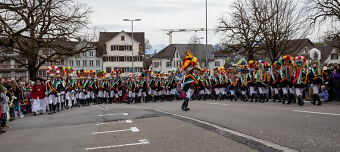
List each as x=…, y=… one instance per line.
x=315, y=75
x=260, y=77
x=224, y=83
x=119, y=82
x=216, y=83
x=251, y=80
x=113, y=87
x=299, y=81
x=70, y=88
x=131, y=88
x=61, y=98
x=232, y=83
x=286, y=74
x=207, y=84
x=101, y=86
x=143, y=87
x=52, y=88
x=38, y=92
x=91, y=87
x=242, y=81
x=275, y=79
x=191, y=66
x=82, y=87
x=172, y=84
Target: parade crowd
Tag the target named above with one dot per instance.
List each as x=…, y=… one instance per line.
x=290, y=80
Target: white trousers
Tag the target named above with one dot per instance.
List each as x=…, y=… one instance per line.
x=52, y=99
x=82, y=95
x=299, y=91
x=217, y=91
x=112, y=94
x=262, y=90
x=132, y=94
x=201, y=92
x=276, y=90
x=189, y=93
x=292, y=90
x=222, y=90
x=101, y=94
x=36, y=105
x=285, y=90
x=154, y=92
x=315, y=89
x=173, y=91
x=90, y=94
x=207, y=91
x=252, y=90
x=140, y=93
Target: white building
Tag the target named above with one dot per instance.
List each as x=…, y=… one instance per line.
x=173, y=55
x=89, y=60
x=117, y=52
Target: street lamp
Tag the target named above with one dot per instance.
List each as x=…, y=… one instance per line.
x=133, y=70
x=199, y=52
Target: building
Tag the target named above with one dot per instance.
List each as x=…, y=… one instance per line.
x=10, y=69
x=117, y=52
x=89, y=60
x=329, y=55
x=173, y=55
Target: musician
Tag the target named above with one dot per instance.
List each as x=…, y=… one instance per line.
x=52, y=88
x=70, y=89
x=275, y=79
x=315, y=75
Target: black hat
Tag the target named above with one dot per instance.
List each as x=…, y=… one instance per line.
x=41, y=79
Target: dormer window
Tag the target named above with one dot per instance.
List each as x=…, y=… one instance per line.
x=334, y=56
x=122, y=38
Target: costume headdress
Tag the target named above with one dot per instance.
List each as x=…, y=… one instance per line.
x=101, y=75
x=92, y=74
x=82, y=74
x=286, y=60
x=52, y=71
x=69, y=71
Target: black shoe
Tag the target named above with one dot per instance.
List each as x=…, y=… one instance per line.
x=318, y=99
x=300, y=101
x=314, y=99
x=50, y=108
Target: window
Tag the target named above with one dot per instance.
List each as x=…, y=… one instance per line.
x=177, y=55
x=108, y=59
x=137, y=58
x=78, y=63
x=84, y=54
x=156, y=64
x=108, y=69
x=116, y=58
x=334, y=56
x=217, y=63
x=127, y=47
x=128, y=69
x=91, y=63
x=126, y=58
x=116, y=47
x=71, y=63
x=84, y=63
x=122, y=38
x=168, y=64
x=137, y=69
x=91, y=53
x=98, y=63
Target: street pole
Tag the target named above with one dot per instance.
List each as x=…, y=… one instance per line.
x=133, y=69
x=206, y=31
x=199, y=51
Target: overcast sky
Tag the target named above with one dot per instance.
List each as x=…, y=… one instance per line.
x=157, y=15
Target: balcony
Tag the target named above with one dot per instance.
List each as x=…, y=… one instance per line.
x=11, y=67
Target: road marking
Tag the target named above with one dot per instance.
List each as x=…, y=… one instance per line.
x=125, y=114
x=321, y=113
x=141, y=142
x=127, y=121
x=264, y=142
x=101, y=107
x=219, y=104
x=133, y=129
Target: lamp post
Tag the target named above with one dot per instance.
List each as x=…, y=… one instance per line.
x=199, y=51
x=133, y=70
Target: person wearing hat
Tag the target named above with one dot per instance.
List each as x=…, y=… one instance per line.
x=137, y=89
x=172, y=85
x=60, y=99
x=315, y=75
x=70, y=86
x=131, y=88
x=159, y=87
x=153, y=86
x=216, y=83
x=251, y=80
x=286, y=76
x=275, y=79
x=101, y=87
x=207, y=85
x=143, y=91
x=120, y=84
x=191, y=66
x=82, y=87
x=52, y=88
x=91, y=86
x=38, y=95
x=299, y=77
x=242, y=81
x=112, y=87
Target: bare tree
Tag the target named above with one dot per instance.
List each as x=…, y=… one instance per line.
x=281, y=21
x=326, y=12
x=30, y=27
x=242, y=30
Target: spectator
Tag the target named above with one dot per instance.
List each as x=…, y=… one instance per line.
x=4, y=107
x=336, y=80
x=324, y=94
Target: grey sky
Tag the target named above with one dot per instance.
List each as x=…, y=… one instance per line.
x=157, y=15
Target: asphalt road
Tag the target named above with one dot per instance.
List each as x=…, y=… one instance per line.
x=163, y=126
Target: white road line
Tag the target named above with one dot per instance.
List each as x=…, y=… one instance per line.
x=141, y=142
x=133, y=129
x=125, y=114
x=264, y=142
x=321, y=113
x=101, y=107
x=127, y=121
x=219, y=104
